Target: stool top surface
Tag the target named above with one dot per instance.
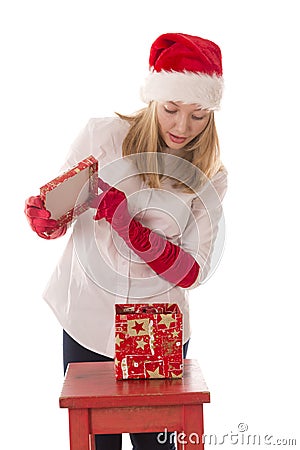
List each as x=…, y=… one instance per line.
x=93, y=385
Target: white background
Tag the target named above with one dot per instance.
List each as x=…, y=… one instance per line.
x=63, y=62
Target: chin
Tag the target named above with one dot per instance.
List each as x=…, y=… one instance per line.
x=173, y=146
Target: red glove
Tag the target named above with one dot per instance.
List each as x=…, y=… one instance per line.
x=111, y=205
x=166, y=259
x=39, y=219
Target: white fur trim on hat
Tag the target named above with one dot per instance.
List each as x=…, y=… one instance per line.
x=187, y=87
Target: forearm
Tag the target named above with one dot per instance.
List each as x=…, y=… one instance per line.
x=167, y=259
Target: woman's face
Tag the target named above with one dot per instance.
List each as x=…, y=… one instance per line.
x=180, y=123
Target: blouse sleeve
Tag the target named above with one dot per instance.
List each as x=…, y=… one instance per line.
x=204, y=234
x=81, y=148
x=101, y=137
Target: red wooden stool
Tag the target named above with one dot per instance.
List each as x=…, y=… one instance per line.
x=99, y=404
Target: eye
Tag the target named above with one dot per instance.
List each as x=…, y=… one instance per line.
x=198, y=118
x=170, y=111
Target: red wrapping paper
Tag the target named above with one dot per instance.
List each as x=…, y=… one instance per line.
x=148, y=341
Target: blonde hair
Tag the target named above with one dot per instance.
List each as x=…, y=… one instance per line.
x=143, y=138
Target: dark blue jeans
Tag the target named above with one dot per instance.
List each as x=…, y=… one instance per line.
x=74, y=352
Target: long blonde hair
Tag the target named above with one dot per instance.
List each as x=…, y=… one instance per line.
x=143, y=138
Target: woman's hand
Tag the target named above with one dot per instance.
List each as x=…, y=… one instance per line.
x=111, y=205
x=39, y=219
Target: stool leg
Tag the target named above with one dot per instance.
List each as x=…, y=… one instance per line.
x=191, y=436
x=92, y=442
x=79, y=429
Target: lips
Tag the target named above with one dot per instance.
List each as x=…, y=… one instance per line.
x=177, y=139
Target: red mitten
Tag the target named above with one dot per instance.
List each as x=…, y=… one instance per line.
x=39, y=219
x=166, y=259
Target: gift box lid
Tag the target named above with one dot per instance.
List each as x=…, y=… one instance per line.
x=69, y=194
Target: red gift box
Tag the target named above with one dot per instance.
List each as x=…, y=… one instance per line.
x=148, y=341
x=69, y=194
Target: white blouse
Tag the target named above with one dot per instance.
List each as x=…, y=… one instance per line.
x=98, y=270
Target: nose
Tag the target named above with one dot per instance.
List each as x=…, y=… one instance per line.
x=182, y=124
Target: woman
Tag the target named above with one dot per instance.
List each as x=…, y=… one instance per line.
x=150, y=234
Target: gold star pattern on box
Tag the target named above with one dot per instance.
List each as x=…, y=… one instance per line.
x=141, y=344
x=118, y=340
x=148, y=341
x=155, y=373
x=166, y=319
x=138, y=327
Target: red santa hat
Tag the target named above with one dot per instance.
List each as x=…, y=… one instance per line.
x=186, y=69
